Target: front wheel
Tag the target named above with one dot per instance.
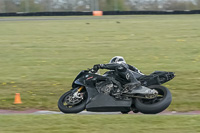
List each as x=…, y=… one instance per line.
x=73, y=101
x=156, y=105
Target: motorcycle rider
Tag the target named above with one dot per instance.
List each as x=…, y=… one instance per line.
x=126, y=73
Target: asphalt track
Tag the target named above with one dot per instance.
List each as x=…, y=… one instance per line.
x=3, y=19
x=39, y=112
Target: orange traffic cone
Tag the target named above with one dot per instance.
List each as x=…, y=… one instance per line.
x=17, y=99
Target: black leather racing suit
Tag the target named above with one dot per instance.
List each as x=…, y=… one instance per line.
x=124, y=71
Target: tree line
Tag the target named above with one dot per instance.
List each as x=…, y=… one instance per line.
x=90, y=5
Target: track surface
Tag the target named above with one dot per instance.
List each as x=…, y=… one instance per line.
x=62, y=18
x=34, y=111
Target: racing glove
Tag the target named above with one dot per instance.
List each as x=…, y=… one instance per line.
x=96, y=68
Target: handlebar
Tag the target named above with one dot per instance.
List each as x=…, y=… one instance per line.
x=91, y=70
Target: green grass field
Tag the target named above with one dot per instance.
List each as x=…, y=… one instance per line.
x=99, y=123
x=40, y=59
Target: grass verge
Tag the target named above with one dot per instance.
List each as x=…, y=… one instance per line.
x=40, y=59
x=99, y=123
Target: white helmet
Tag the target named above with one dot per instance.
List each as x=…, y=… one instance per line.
x=117, y=59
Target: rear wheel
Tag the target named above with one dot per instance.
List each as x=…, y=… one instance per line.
x=156, y=105
x=73, y=101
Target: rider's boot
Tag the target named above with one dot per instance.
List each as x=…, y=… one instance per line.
x=136, y=88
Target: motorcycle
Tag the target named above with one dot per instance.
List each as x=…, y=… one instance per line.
x=105, y=93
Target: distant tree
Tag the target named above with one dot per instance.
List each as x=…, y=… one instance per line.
x=70, y=5
x=89, y=5
x=109, y=5
x=2, y=6
x=29, y=6
x=121, y=6
x=113, y=5
x=198, y=4
x=10, y=6
x=179, y=5
x=83, y=5
x=46, y=5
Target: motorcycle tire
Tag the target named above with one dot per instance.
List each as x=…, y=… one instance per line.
x=74, y=109
x=149, y=107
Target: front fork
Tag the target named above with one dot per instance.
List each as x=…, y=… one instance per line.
x=80, y=88
x=77, y=93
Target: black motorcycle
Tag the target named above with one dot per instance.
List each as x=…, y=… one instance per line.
x=105, y=93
